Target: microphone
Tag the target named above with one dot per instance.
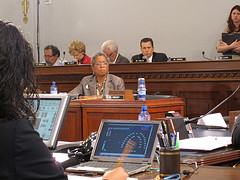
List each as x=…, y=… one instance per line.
x=63, y=55
x=195, y=119
x=203, y=54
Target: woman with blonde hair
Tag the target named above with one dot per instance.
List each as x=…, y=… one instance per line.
x=77, y=49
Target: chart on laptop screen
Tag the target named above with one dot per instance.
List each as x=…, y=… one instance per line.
x=114, y=137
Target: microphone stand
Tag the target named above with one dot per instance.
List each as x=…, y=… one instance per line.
x=197, y=118
x=203, y=53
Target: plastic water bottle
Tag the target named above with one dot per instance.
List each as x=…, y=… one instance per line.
x=141, y=89
x=144, y=115
x=53, y=88
x=60, y=62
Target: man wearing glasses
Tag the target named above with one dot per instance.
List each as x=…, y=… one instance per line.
x=110, y=48
x=52, y=56
x=97, y=85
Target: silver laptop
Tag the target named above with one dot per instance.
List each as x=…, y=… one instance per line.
x=112, y=138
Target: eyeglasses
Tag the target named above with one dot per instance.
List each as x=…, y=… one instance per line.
x=48, y=56
x=104, y=63
x=109, y=55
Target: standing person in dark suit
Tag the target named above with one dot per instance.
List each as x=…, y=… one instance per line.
x=23, y=154
x=110, y=48
x=148, y=53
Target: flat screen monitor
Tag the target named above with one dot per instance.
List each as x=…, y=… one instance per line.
x=50, y=117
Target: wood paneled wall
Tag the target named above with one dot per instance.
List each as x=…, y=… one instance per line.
x=201, y=84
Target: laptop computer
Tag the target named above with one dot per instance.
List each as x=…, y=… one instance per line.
x=112, y=137
x=50, y=116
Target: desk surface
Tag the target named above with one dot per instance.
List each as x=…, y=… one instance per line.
x=204, y=172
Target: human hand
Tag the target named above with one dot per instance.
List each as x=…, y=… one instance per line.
x=118, y=173
x=237, y=50
x=222, y=43
x=235, y=44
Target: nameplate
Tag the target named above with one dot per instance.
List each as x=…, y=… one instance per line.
x=139, y=60
x=178, y=59
x=70, y=63
x=114, y=97
x=41, y=64
x=223, y=57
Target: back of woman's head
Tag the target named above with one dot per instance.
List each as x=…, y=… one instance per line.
x=16, y=72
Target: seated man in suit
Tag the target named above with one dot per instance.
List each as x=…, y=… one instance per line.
x=110, y=48
x=148, y=53
x=98, y=84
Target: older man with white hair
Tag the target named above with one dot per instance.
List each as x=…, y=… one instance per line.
x=110, y=48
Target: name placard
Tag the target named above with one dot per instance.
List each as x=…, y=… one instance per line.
x=139, y=61
x=178, y=59
x=70, y=63
x=41, y=64
x=223, y=57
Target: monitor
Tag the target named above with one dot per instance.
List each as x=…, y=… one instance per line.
x=50, y=117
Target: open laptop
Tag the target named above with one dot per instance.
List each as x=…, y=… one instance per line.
x=50, y=117
x=112, y=137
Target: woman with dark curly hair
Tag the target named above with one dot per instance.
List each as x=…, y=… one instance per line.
x=23, y=154
x=233, y=27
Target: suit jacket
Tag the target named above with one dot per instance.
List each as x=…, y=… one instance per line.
x=87, y=86
x=122, y=59
x=157, y=57
x=236, y=133
x=23, y=154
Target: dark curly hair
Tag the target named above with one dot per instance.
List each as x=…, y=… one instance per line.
x=231, y=26
x=17, y=74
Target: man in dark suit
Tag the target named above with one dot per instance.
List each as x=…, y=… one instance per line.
x=148, y=53
x=110, y=48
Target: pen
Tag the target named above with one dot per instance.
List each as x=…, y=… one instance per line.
x=129, y=146
x=165, y=134
x=173, y=128
x=177, y=141
x=160, y=140
x=168, y=134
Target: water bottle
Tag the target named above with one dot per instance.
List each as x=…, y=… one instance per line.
x=144, y=115
x=53, y=88
x=141, y=89
x=60, y=62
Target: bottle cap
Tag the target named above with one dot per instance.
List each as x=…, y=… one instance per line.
x=144, y=108
x=53, y=83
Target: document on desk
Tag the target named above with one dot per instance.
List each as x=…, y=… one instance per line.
x=204, y=143
x=75, y=177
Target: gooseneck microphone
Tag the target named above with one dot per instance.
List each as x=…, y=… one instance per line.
x=63, y=55
x=197, y=118
x=203, y=54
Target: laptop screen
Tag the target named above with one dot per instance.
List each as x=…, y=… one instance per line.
x=50, y=117
x=114, y=135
